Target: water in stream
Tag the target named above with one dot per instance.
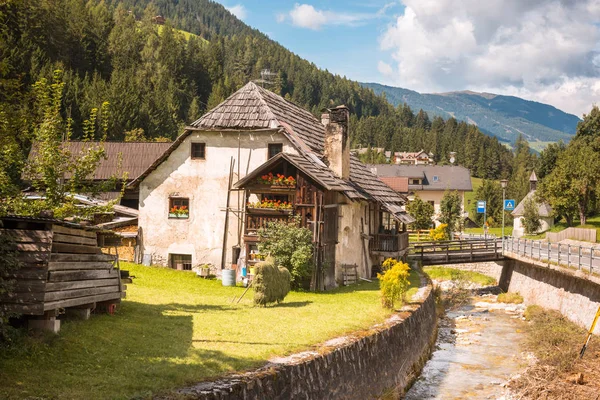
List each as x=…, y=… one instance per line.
x=477, y=350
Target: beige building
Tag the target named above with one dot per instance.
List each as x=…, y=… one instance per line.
x=185, y=219
x=429, y=182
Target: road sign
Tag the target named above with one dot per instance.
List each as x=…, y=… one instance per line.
x=509, y=205
x=481, y=205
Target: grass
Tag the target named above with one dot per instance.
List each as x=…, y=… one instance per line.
x=591, y=223
x=510, y=298
x=175, y=329
x=492, y=231
x=470, y=197
x=447, y=274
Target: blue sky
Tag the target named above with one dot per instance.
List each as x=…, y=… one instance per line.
x=541, y=50
x=348, y=47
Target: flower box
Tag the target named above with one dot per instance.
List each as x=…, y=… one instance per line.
x=270, y=211
x=179, y=216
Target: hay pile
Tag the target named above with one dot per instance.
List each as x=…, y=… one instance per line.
x=271, y=283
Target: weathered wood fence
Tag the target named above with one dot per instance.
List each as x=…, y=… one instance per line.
x=581, y=234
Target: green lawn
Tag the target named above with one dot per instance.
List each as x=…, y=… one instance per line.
x=591, y=223
x=470, y=196
x=508, y=228
x=175, y=329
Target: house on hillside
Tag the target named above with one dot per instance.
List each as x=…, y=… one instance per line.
x=189, y=214
x=544, y=210
x=428, y=181
x=410, y=158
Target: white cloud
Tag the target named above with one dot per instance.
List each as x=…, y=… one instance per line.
x=238, y=10
x=545, y=50
x=307, y=16
x=385, y=68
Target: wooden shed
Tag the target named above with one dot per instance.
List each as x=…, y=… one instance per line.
x=63, y=268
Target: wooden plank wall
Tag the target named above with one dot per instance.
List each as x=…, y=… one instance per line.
x=62, y=267
x=27, y=295
x=78, y=272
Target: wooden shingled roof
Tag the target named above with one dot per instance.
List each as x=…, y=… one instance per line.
x=131, y=157
x=254, y=108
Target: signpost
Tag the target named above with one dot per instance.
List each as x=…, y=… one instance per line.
x=509, y=205
x=482, y=209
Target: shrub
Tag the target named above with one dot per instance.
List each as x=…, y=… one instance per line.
x=291, y=246
x=393, y=283
x=271, y=283
x=439, y=233
x=513, y=298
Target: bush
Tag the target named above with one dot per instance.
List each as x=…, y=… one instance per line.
x=291, y=246
x=271, y=283
x=393, y=283
x=439, y=233
x=511, y=298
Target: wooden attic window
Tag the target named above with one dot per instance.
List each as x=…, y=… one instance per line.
x=274, y=149
x=198, y=151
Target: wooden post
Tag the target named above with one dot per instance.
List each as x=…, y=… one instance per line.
x=226, y=229
x=558, y=253
x=568, y=256
x=471, y=251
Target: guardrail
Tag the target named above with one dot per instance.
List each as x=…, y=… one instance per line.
x=561, y=254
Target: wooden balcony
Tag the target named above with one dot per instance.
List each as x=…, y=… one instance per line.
x=258, y=218
x=389, y=243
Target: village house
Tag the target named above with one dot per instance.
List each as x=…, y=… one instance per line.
x=544, y=211
x=409, y=158
x=194, y=198
x=429, y=182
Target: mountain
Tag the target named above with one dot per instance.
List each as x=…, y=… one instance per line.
x=502, y=116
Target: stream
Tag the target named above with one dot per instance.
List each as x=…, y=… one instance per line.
x=477, y=350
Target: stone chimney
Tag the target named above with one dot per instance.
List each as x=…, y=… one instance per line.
x=337, y=142
x=532, y=182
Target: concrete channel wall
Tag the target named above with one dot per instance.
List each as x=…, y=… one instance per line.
x=383, y=360
x=575, y=294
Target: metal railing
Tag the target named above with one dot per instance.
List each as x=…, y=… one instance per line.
x=571, y=256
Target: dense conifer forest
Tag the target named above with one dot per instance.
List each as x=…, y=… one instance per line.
x=156, y=78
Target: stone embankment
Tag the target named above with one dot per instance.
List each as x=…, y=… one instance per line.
x=382, y=360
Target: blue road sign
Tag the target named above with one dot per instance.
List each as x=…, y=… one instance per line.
x=509, y=205
x=481, y=205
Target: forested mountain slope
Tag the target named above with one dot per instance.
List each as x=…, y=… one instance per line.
x=156, y=82
x=503, y=116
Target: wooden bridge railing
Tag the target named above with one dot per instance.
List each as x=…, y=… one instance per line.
x=460, y=250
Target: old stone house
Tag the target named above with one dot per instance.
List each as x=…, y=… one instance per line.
x=185, y=218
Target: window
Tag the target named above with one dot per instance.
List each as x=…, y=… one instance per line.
x=181, y=262
x=415, y=181
x=274, y=149
x=198, y=151
x=179, y=208
x=432, y=203
x=436, y=178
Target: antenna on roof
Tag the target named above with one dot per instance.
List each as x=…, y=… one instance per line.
x=265, y=76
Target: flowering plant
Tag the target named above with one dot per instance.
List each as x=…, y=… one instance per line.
x=274, y=204
x=278, y=180
x=179, y=211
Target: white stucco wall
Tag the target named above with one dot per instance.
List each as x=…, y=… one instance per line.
x=351, y=247
x=519, y=230
x=204, y=182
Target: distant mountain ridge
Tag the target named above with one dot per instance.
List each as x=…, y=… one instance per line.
x=501, y=116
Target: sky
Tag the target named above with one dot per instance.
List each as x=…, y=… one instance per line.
x=540, y=50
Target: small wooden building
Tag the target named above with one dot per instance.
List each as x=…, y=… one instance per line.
x=63, y=268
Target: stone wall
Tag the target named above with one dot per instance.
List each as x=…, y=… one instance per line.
x=385, y=359
x=576, y=297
